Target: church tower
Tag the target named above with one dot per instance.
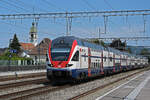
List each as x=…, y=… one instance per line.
x=33, y=34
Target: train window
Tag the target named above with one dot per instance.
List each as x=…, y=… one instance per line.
x=47, y=57
x=94, y=65
x=105, y=59
x=85, y=57
x=76, y=56
x=110, y=59
x=82, y=43
x=97, y=64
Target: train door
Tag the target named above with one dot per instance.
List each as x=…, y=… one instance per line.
x=132, y=61
x=114, y=59
x=117, y=63
x=101, y=64
x=89, y=62
x=83, y=57
x=121, y=62
x=105, y=63
x=110, y=62
x=75, y=60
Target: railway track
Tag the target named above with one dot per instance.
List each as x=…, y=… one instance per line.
x=22, y=83
x=23, y=76
x=103, y=86
x=46, y=89
x=31, y=92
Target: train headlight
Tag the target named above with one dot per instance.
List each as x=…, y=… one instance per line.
x=68, y=65
x=50, y=65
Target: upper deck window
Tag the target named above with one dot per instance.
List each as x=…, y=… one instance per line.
x=60, y=48
x=62, y=42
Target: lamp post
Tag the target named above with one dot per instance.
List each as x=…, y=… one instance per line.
x=9, y=61
x=39, y=53
x=10, y=41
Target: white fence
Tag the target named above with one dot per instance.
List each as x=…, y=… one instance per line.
x=20, y=62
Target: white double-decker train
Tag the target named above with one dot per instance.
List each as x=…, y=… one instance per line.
x=70, y=58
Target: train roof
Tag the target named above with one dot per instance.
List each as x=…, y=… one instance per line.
x=86, y=43
x=82, y=42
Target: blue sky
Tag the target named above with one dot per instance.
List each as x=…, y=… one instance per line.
x=81, y=27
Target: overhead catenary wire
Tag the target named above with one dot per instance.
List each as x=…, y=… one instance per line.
x=76, y=14
x=13, y=10
x=14, y=5
x=14, y=25
x=19, y=3
x=60, y=14
x=105, y=24
x=52, y=5
x=29, y=5
x=144, y=23
x=107, y=3
x=89, y=5
x=70, y=25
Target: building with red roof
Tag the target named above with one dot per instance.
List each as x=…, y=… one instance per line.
x=38, y=52
x=34, y=50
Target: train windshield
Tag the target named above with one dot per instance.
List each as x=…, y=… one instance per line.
x=60, y=48
x=60, y=54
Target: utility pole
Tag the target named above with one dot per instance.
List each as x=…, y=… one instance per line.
x=99, y=32
x=105, y=23
x=10, y=55
x=67, y=24
x=39, y=54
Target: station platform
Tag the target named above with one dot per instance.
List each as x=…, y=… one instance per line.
x=11, y=73
x=137, y=88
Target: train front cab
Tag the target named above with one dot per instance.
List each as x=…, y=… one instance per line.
x=64, y=74
x=76, y=68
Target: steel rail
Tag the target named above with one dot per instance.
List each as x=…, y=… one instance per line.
x=47, y=89
x=22, y=83
x=105, y=85
x=32, y=92
x=23, y=76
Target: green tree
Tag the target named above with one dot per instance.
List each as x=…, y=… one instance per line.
x=117, y=44
x=145, y=52
x=129, y=50
x=96, y=41
x=14, y=45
